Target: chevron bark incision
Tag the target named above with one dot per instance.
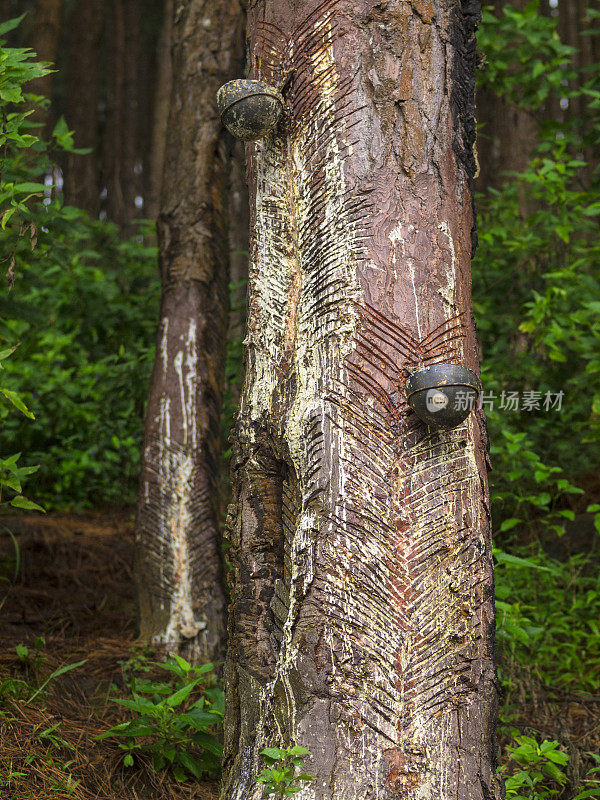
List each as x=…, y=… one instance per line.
x=360, y=621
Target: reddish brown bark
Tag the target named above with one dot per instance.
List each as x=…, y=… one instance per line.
x=178, y=541
x=81, y=178
x=362, y=616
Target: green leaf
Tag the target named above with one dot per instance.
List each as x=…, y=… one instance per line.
x=6, y=353
x=14, y=398
x=516, y=561
x=299, y=751
x=209, y=742
x=179, y=774
x=191, y=764
x=22, y=502
x=22, y=651
x=11, y=24
x=509, y=524
x=179, y=696
x=273, y=753
x=29, y=188
x=185, y=666
x=141, y=705
x=55, y=674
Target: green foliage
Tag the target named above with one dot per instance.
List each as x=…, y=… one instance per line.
x=79, y=324
x=524, y=59
x=176, y=721
x=283, y=771
x=84, y=309
x=538, y=259
x=530, y=490
x=548, y=614
x=25, y=161
x=533, y=771
x=31, y=689
x=16, y=68
x=32, y=659
x=548, y=634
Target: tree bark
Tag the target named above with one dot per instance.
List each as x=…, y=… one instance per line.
x=362, y=618
x=179, y=569
x=81, y=179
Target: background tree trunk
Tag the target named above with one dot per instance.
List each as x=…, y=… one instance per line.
x=120, y=134
x=178, y=542
x=162, y=98
x=362, y=615
x=508, y=134
x=45, y=34
x=574, y=30
x=81, y=187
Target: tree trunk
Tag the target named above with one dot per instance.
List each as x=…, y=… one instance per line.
x=120, y=135
x=508, y=134
x=162, y=97
x=362, y=617
x=574, y=30
x=178, y=570
x=81, y=187
x=45, y=35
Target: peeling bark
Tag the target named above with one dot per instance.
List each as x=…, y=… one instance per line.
x=178, y=542
x=362, y=619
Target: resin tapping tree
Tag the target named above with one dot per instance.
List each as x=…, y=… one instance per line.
x=178, y=541
x=362, y=619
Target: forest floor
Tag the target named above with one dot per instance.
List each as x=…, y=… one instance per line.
x=68, y=579
x=74, y=588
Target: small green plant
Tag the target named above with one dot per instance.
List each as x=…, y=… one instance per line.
x=533, y=771
x=176, y=721
x=11, y=778
x=11, y=473
x=13, y=688
x=32, y=658
x=57, y=673
x=22, y=690
x=283, y=771
x=591, y=782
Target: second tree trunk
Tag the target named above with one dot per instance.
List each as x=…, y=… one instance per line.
x=178, y=543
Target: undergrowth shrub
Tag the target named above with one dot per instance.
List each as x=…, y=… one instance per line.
x=539, y=255
x=177, y=721
x=84, y=309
